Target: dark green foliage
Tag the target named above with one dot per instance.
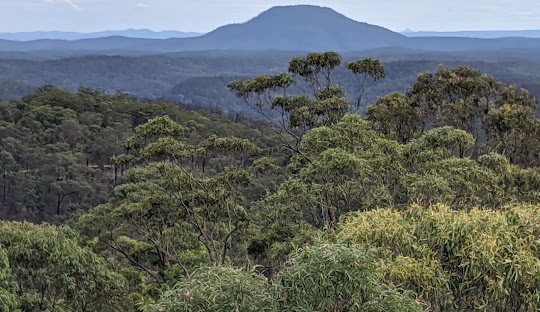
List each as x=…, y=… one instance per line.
x=192, y=209
x=62, y=153
x=179, y=203
x=324, y=278
x=333, y=277
x=55, y=273
x=8, y=287
x=213, y=289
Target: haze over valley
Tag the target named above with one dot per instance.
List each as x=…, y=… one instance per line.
x=173, y=69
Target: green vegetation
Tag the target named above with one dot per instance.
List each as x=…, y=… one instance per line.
x=431, y=201
x=200, y=78
x=54, y=272
x=447, y=256
x=60, y=151
x=323, y=278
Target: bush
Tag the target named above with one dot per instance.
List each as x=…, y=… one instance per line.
x=332, y=278
x=477, y=260
x=55, y=273
x=217, y=289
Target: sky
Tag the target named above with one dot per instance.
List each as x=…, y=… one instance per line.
x=206, y=15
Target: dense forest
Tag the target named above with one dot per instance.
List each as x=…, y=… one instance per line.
x=428, y=200
x=61, y=151
x=201, y=78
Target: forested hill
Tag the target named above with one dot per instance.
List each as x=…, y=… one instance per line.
x=289, y=28
x=428, y=202
x=200, y=78
x=56, y=147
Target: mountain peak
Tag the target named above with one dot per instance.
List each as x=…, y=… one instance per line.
x=300, y=12
x=301, y=28
x=298, y=7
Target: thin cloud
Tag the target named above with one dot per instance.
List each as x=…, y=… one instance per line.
x=142, y=5
x=68, y=2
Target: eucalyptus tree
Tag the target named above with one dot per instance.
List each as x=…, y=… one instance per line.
x=513, y=130
x=366, y=72
x=176, y=208
x=9, y=300
x=458, y=97
x=323, y=104
x=395, y=116
x=351, y=167
x=52, y=271
x=463, y=98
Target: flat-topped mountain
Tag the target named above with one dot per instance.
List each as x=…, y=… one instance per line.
x=302, y=27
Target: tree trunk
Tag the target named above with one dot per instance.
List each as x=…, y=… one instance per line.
x=60, y=199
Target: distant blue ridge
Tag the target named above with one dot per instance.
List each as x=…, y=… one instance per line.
x=283, y=28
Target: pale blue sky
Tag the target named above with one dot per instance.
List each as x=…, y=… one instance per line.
x=205, y=15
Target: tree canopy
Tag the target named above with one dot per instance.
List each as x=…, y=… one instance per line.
x=427, y=200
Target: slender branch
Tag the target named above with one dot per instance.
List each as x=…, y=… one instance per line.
x=120, y=250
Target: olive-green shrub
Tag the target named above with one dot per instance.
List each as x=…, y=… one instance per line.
x=477, y=260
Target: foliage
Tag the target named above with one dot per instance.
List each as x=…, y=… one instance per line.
x=349, y=167
x=477, y=260
x=367, y=71
x=62, y=153
x=326, y=104
x=176, y=204
x=186, y=203
x=514, y=131
x=337, y=278
x=213, y=289
x=395, y=116
x=466, y=99
x=8, y=296
x=322, y=278
x=55, y=273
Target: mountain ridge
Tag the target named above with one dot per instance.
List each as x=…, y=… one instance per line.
x=283, y=28
x=70, y=35
x=480, y=34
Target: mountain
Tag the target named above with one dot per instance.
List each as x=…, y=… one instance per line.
x=290, y=28
x=286, y=28
x=489, y=34
x=130, y=33
x=301, y=27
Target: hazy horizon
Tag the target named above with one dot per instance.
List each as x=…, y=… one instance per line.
x=204, y=16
